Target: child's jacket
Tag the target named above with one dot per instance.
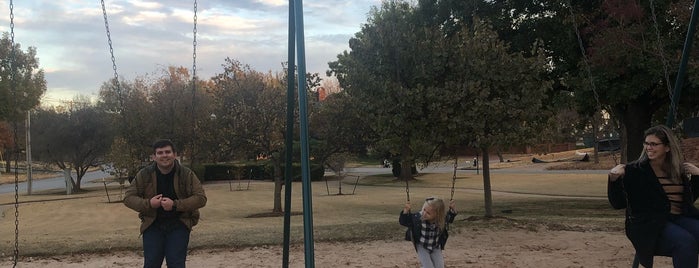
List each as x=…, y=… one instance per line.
x=414, y=224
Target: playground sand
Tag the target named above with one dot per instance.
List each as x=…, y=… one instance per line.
x=470, y=248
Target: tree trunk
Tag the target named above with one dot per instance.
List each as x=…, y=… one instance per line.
x=595, y=135
x=485, y=160
x=636, y=118
x=68, y=181
x=79, y=173
x=624, y=144
x=8, y=164
x=278, y=183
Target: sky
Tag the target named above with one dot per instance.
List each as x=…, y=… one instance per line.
x=150, y=35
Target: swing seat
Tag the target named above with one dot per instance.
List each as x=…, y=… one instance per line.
x=636, y=262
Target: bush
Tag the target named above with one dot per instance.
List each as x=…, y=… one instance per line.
x=317, y=171
x=229, y=171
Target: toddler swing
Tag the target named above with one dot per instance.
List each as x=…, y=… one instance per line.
x=409, y=231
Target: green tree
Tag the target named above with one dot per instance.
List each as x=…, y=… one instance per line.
x=337, y=129
x=28, y=82
x=393, y=60
x=494, y=96
x=77, y=138
x=21, y=86
x=632, y=49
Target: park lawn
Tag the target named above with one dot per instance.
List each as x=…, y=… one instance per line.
x=580, y=185
x=53, y=223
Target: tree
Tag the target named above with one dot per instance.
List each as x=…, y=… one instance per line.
x=250, y=110
x=393, y=60
x=149, y=108
x=495, y=95
x=77, y=139
x=129, y=111
x=337, y=129
x=28, y=82
x=21, y=86
x=633, y=49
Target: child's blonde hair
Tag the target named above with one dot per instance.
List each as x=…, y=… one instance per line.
x=440, y=211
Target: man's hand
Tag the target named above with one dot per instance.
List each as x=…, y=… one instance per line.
x=155, y=201
x=167, y=203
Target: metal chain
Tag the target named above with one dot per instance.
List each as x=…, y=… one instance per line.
x=407, y=189
x=660, y=48
x=111, y=53
x=15, y=255
x=453, y=179
x=194, y=44
x=194, y=82
x=582, y=50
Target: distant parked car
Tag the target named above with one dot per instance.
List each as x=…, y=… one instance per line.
x=609, y=145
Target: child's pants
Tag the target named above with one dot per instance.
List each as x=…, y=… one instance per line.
x=430, y=260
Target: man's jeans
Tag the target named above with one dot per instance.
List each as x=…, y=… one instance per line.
x=165, y=239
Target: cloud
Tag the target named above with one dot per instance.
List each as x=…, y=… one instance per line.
x=72, y=47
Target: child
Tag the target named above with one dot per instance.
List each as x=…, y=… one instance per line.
x=428, y=230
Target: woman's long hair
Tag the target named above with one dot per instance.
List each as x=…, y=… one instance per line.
x=674, y=158
x=440, y=211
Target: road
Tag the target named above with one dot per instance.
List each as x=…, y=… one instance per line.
x=52, y=183
x=59, y=182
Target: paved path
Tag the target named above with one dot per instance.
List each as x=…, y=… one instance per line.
x=53, y=183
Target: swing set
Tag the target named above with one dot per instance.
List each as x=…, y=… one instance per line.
x=309, y=254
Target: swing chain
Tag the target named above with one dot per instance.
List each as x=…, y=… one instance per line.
x=194, y=43
x=660, y=48
x=453, y=179
x=194, y=85
x=111, y=53
x=584, y=56
x=407, y=189
x=15, y=255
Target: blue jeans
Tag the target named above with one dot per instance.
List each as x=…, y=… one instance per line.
x=165, y=239
x=428, y=259
x=679, y=240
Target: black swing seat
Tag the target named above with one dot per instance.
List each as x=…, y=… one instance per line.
x=636, y=261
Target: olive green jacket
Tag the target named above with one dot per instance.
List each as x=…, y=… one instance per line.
x=190, y=195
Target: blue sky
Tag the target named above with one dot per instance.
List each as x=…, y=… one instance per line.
x=148, y=36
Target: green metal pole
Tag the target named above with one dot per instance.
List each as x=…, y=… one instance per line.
x=303, y=126
x=289, y=139
x=679, y=82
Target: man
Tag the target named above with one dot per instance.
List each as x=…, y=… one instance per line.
x=167, y=197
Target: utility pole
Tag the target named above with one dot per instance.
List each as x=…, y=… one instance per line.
x=29, y=153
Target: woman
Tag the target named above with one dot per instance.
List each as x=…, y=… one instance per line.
x=658, y=196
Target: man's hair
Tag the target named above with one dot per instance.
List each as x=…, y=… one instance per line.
x=163, y=143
